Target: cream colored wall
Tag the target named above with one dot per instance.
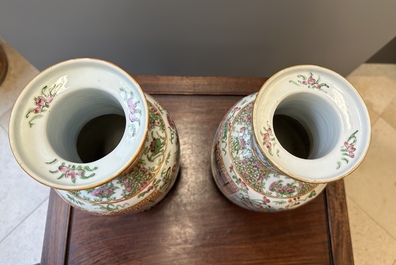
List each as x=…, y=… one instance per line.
x=203, y=37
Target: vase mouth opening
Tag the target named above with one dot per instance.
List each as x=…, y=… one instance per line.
x=90, y=129
x=85, y=120
x=311, y=124
x=306, y=125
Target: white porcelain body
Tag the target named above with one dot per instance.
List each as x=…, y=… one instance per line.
x=146, y=182
x=52, y=110
x=242, y=177
x=252, y=167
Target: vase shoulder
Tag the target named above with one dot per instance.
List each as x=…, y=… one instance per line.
x=244, y=175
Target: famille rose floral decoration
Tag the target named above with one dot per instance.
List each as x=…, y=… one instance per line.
x=65, y=171
x=240, y=174
x=42, y=102
x=310, y=81
x=269, y=140
x=134, y=114
x=257, y=171
x=131, y=176
x=348, y=149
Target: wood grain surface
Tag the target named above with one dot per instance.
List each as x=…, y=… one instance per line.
x=195, y=223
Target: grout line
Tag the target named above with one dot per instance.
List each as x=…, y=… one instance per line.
x=6, y=236
x=1, y=126
x=375, y=221
x=5, y=129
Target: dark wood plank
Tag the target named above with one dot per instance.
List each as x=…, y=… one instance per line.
x=340, y=234
x=56, y=231
x=199, y=85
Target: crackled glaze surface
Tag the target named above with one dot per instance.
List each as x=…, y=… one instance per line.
x=146, y=182
x=244, y=178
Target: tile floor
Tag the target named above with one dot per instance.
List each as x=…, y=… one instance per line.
x=371, y=190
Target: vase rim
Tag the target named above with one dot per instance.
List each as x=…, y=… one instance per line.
x=40, y=112
x=333, y=113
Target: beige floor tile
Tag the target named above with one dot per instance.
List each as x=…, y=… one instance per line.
x=25, y=243
x=389, y=114
x=373, y=185
x=20, y=195
x=4, y=120
x=376, y=69
x=371, y=244
x=20, y=72
x=376, y=84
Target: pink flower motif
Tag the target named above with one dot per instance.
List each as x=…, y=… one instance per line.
x=132, y=110
x=97, y=192
x=266, y=137
x=107, y=192
x=100, y=192
x=72, y=173
x=311, y=81
x=243, y=143
x=236, y=109
x=290, y=190
x=38, y=109
x=267, y=140
x=231, y=168
x=351, y=149
x=42, y=102
x=266, y=200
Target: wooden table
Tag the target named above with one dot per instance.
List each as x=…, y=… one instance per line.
x=195, y=223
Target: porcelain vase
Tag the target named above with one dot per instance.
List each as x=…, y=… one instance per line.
x=85, y=128
x=277, y=149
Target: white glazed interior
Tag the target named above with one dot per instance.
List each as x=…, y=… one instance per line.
x=90, y=88
x=318, y=117
x=329, y=115
x=65, y=122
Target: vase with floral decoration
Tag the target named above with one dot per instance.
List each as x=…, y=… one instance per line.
x=85, y=128
x=276, y=149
